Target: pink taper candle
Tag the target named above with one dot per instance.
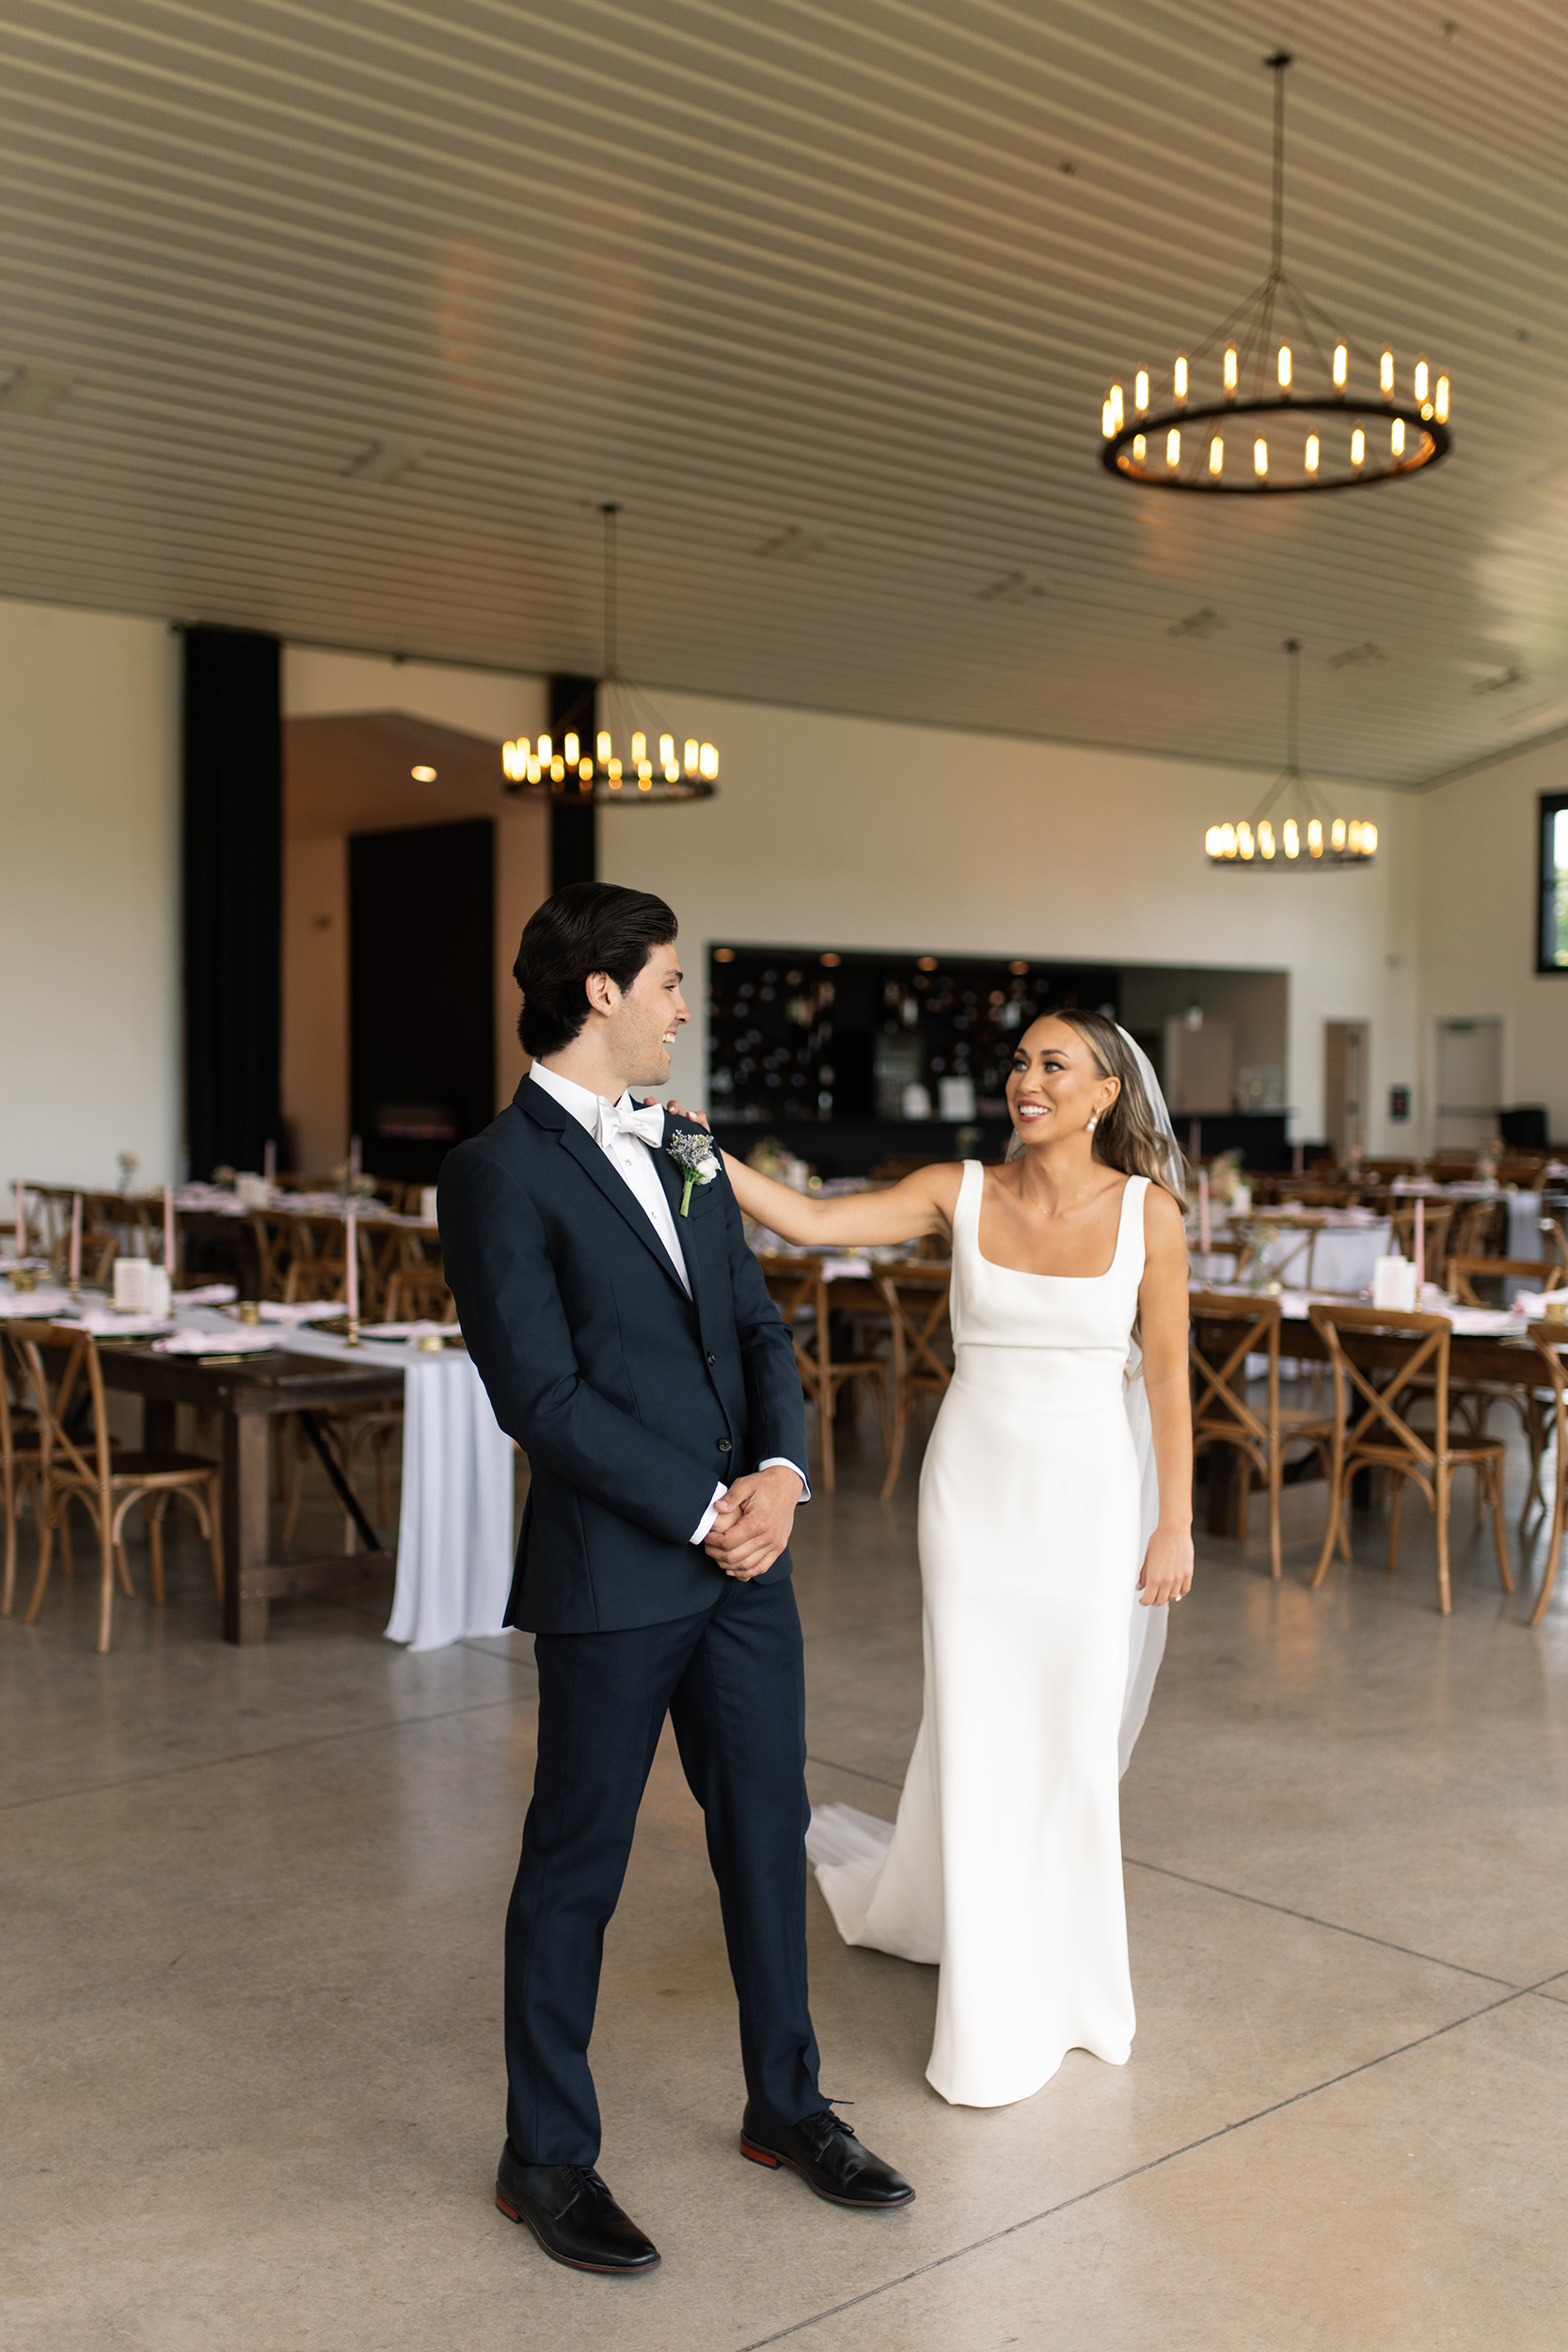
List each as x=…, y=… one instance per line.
x=269, y=1163
x=21, y=1222
x=1203, y=1211
x=76, y=1239
x=350, y=1265
x=168, y=1230
x=1421, y=1243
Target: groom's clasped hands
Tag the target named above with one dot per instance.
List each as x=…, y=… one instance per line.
x=752, y=1523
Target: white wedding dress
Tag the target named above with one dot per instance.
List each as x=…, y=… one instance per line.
x=1036, y=1499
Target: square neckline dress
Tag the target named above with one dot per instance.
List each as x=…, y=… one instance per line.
x=1005, y=1864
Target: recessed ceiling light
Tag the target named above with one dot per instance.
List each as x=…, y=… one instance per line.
x=422, y=776
x=384, y=461
x=34, y=391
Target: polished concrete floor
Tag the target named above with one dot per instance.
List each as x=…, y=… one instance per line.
x=250, y=2041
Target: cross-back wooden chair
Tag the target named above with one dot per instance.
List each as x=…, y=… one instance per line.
x=106, y=1480
x=1474, y=1228
x=1463, y=1274
x=1556, y=1370
x=916, y=1299
x=1474, y=1399
x=21, y=1461
x=1554, y=1244
x=99, y=1248
x=418, y=1294
x=1292, y=1241
x=800, y=1289
x=1381, y=1437
x=1225, y=1414
x=318, y=1260
x=1436, y=1220
x=271, y=1234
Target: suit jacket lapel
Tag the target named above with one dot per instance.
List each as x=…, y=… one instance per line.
x=547, y=1112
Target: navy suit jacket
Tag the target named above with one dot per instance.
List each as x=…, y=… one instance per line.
x=631, y=1400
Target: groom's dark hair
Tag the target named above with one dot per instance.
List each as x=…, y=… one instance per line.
x=588, y=927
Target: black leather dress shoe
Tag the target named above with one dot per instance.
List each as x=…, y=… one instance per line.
x=827, y=2156
x=573, y=2216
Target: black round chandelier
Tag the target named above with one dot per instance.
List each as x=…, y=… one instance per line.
x=1281, y=415
x=1293, y=830
x=612, y=746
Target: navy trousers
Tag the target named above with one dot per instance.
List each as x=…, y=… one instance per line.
x=732, y=1682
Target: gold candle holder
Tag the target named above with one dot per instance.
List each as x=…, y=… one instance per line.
x=350, y=1331
x=251, y=1311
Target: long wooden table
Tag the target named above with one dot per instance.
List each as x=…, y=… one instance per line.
x=246, y=1393
x=1471, y=1359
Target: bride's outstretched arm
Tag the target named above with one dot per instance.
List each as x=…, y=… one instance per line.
x=1167, y=1568
x=923, y=1203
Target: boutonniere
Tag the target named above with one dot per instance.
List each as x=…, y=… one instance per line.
x=693, y=1155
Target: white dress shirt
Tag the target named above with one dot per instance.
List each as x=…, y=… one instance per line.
x=632, y=1159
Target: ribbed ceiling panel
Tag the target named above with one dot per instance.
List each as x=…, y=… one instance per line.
x=826, y=298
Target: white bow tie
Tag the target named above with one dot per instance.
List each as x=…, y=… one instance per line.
x=647, y=1125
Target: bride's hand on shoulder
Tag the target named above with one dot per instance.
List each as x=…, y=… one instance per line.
x=1167, y=1568
x=681, y=1112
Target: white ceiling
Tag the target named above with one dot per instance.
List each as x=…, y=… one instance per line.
x=825, y=293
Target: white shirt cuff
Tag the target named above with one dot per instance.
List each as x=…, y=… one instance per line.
x=782, y=1461
x=707, y=1520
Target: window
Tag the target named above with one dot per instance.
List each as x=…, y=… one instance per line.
x=1552, y=947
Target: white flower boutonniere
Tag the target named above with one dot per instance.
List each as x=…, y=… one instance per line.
x=693, y=1155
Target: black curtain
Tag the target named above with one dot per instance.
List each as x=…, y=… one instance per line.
x=233, y=895
x=421, y=993
x=574, y=827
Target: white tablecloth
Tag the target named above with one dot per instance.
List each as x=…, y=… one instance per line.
x=454, y=1534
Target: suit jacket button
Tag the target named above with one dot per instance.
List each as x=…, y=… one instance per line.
x=723, y=1445
x=713, y=1359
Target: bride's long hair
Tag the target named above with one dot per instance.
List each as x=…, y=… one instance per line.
x=1128, y=1135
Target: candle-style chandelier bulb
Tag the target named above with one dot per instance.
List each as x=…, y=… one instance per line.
x=1259, y=456
x=1284, y=367
x=1230, y=367
x=1310, y=455
x=1341, y=366
x=1216, y=455
x=1140, y=391
x=1386, y=374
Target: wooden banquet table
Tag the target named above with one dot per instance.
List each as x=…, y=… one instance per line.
x=1493, y=1348
x=246, y=1393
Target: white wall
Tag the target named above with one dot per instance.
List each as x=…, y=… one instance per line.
x=831, y=832
x=90, y=915
x=1478, y=881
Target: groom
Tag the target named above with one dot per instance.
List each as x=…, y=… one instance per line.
x=627, y=1342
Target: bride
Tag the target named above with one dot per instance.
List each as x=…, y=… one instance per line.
x=1046, y=1548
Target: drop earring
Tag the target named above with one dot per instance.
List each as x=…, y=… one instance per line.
x=1093, y=1122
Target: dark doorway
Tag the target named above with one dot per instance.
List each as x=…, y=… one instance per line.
x=421, y=994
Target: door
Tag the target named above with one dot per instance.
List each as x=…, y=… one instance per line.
x=1345, y=1068
x=1470, y=1083
x=421, y=994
